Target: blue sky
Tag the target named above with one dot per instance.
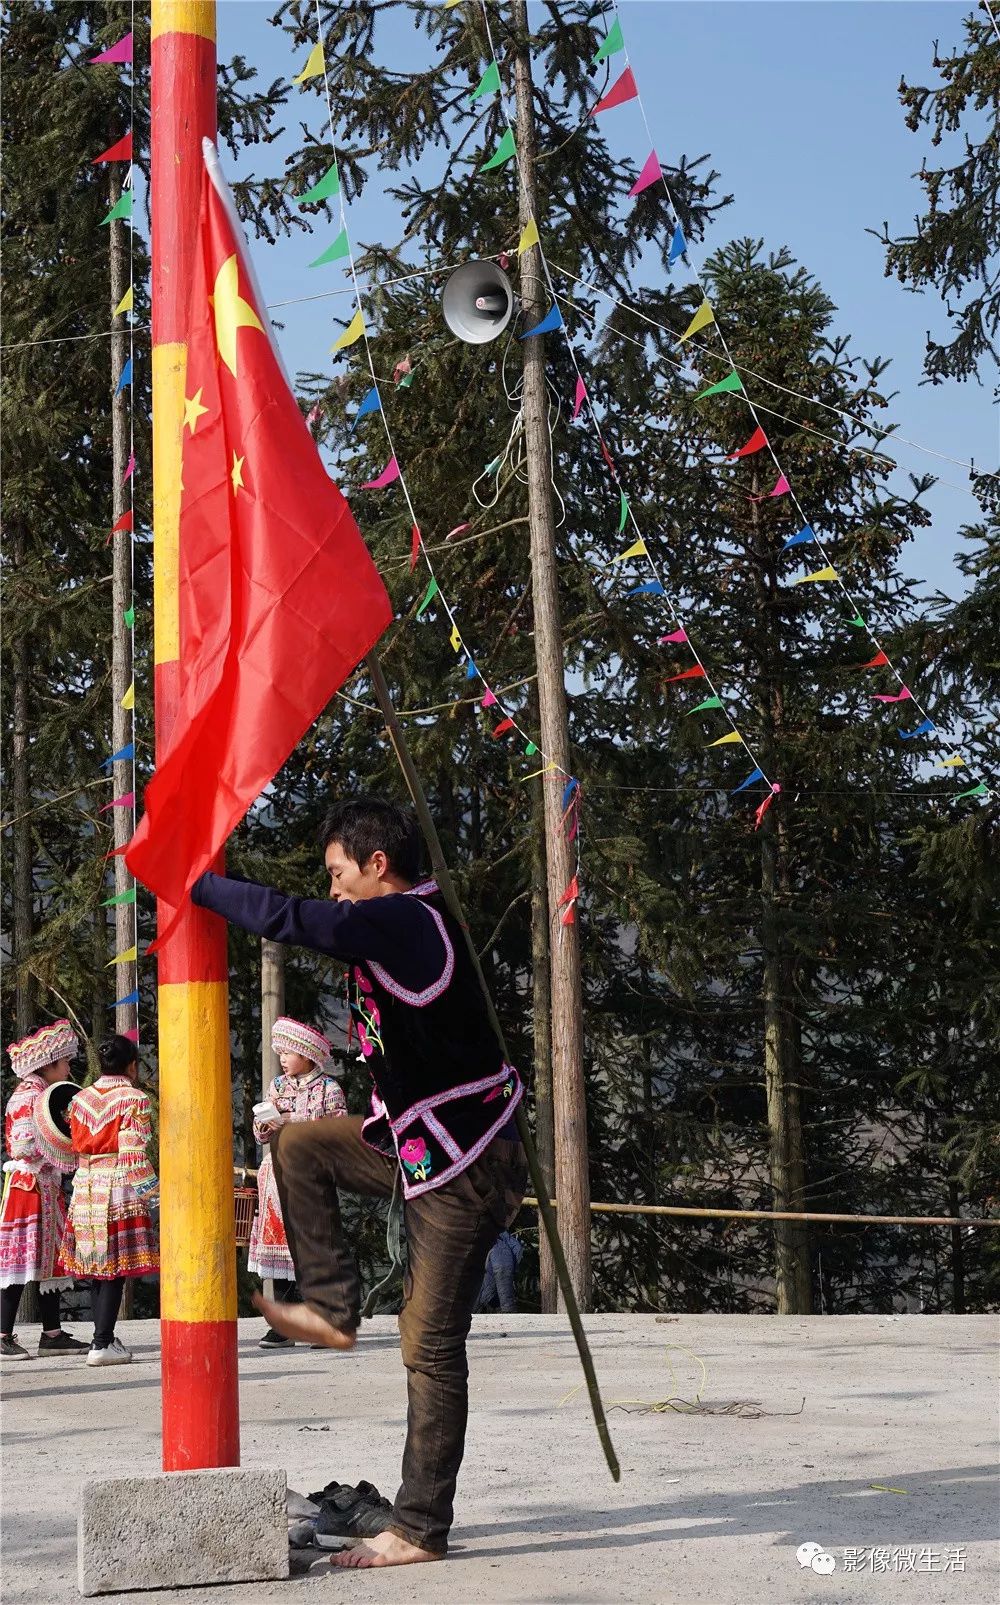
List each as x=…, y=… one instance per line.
x=797, y=104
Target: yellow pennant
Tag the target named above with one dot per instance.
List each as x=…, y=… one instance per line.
x=128, y=700
x=951, y=763
x=456, y=639
x=702, y=318
x=313, y=67
x=529, y=236
x=731, y=740
x=820, y=574
x=536, y=772
x=129, y=956
x=638, y=550
x=125, y=304
x=449, y=5
x=355, y=329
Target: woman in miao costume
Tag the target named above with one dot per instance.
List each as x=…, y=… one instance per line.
x=306, y=1089
x=109, y=1233
x=33, y=1211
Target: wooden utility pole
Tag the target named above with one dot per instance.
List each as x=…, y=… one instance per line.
x=122, y=719
x=272, y=1006
x=572, y=1178
x=542, y=1039
x=22, y=889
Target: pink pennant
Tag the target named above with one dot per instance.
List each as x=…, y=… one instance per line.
x=650, y=173
x=414, y=547
x=401, y=369
x=119, y=54
x=622, y=90
x=608, y=457
x=457, y=530
x=126, y=800
x=130, y=470
x=765, y=805
x=782, y=488
x=904, y=696
x=581, y=396
x=675, y=639
x=389, y=473
x=488, y=701
x=132, y=1034
x=312, y=415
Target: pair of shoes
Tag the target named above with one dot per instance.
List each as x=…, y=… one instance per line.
x=115, y=1354
x=60, y=1343
x=10, y=1349
x=351, y=1513
x=275, y=1340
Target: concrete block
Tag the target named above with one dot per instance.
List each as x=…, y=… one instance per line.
x=182, y=1529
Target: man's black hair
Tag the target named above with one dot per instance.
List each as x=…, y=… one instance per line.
x=366, y=825
x=116, y=1054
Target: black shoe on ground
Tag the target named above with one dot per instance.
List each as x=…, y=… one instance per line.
x=352, y=1514
x=10, y=1349
x=60, y=1343
x=275, y=1340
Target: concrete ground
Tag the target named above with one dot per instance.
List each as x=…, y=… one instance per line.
x=711, y=1507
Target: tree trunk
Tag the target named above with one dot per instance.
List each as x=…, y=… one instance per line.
x=22, y=892
x=122, y=720
x=541, y=1002
x=572, y=1180
x=272, y=1004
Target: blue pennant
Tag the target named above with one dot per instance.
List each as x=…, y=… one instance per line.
x=569, y=789
x=126, y=377
x=806, y=533
x=923, y=729
x=470, y=670
x=123, y=752
x=371, y=403
x=552, y=320
x=758, y=774
x=678, y=245
x=651, y=588
x=119, y=1003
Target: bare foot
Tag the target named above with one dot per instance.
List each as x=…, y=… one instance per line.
x=302, y=1323
x=387, y=1549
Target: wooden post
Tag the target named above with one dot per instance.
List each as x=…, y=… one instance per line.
x=572, y=1177
x=272, y=1006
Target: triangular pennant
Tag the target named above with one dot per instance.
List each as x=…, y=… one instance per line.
x=125, y=377
x=129, y=468
x=569, y=916
x=697, y=673
x=906, y=695
x=857, y=623
x=975, y=791
x=530, y=749
x=487, y=700
x=650, y=173
x=470, y=670
x=121, y=208
x=636, y=550
x=732, y=382
x=504, y=153
x=405, y=382
x=529, y=237
x=323, y=188
x=429, y=595
x=751, y=780
x=702, y=318
x=489, y=84
x=414, y=547
x=314, y=65
x=118, y=55
x=132, y=1034
x=827, y=573
x=129, y=617
x=678, y=245
x=757, y=442
x=117, y=757
x=612, y=44
x=951, y=763
x=578, y=399
x=355, y=329
x=121, y=1003
x=675, y=638
x=731, y=740
x=782, y=487
x=552, y=320
x=372, y=402
x=805, y=534
x=340, y=248
x=877, y=662
x=571, y=893
x=126, y=800
x=703, y=707
x=129, y=956
x=455, y=639
x=651, y=588
x=504, y=725
x=119, y=898
x=119, y=152
x=126, y=304
x=622, y=90
x=607, y=456
x=124, y=524
x=623, y=512
x=758, y=817
x=923, y=729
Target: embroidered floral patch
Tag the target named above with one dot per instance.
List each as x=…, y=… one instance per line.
x=416, y=1158
x=504, y=1091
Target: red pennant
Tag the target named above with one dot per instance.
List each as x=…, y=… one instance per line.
x=877, y=662
x=757, y=442
x=414, y=548
x=124, y=524
x=765, y=805
x=621, y=90
x=505, y=724
x=121, y=152
x=571, y=893
x=569, y=916
x=608, y=458
x=697, y=673
x=116, y=852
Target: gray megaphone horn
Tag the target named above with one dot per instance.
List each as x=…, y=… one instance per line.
x=478, y=302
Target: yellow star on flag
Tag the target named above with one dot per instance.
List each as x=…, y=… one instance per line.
x=236, y=473
x=232, y=312
x=193, y=409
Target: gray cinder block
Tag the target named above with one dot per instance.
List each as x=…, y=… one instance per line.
x=182, y=1528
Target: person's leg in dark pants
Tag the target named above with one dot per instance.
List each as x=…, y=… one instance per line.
x=10, y=1303
x=105, y=1303
x=502, y=1261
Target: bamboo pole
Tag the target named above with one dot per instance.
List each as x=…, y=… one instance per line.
x=779, y=1214
x=447, y=885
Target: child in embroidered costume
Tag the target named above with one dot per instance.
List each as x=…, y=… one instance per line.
x=109, y=1233
x=33, y=1211
x=306, y=1089
x=441, y=1124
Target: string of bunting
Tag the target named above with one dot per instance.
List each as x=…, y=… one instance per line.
x=121, y=764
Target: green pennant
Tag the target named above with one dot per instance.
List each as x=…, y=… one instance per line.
x=429, y=595
x=612, y=44
x=129, y=617
x=709, y=702
x=505, y=152
x=121, y=897
x=623, y=513
x=489, y=84
x=857, y=622
x=731, y=382
x=334, y=252
x=405, y=382
x=328, y=185
x=530, y=750
x=121, y=208
x=975, y=791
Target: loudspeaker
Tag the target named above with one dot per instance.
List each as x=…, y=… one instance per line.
x=478, y=302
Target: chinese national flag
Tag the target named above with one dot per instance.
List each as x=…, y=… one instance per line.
x=279, y=598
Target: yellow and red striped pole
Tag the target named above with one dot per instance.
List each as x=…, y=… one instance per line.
x=197, y=1231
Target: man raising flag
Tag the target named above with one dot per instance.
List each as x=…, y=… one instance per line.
x=278, y=596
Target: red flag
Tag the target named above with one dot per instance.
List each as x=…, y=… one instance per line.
x=757, y=442
x=124, y=525
x=120, y=152
x=697, y=673
x=621, y=90
x=279, y=598
x=877, y=662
